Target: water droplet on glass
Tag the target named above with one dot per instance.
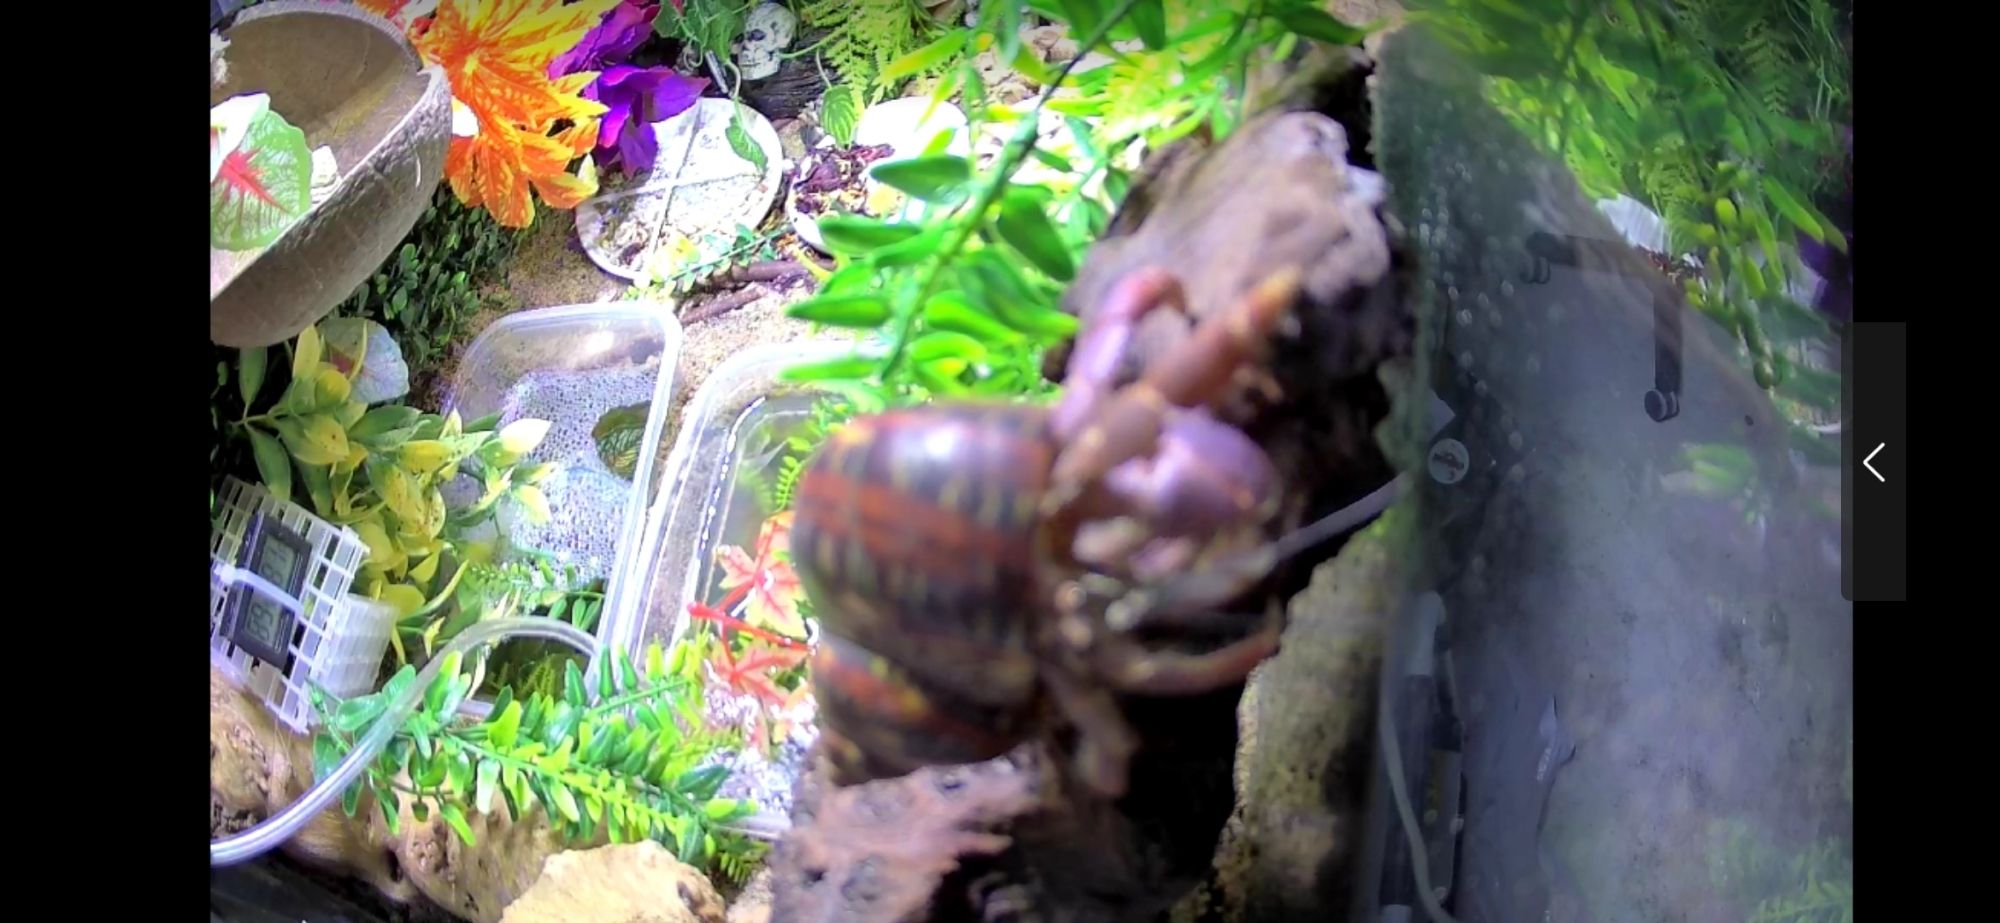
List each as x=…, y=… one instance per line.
x=1514, y=440
x=1465, y=358
x=1465, y=317
x=1506, y=289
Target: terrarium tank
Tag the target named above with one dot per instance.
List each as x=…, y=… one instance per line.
x=1593, y=665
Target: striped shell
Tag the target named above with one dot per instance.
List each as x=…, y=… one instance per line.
x=915, y=533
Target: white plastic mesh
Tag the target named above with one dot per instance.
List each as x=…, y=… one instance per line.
x=342, y=637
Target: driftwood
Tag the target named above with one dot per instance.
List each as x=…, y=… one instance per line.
x=1277, y=193
x=797, y=84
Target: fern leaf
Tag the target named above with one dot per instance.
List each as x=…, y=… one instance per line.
x=863, y=36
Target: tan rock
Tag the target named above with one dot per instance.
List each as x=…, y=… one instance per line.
x=626, y=883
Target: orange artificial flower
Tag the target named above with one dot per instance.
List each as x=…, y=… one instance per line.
x=497, y=54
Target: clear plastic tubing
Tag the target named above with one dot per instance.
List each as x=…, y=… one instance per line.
x=260, y=839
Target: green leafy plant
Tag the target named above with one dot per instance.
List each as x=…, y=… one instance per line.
x=531, y=584
x=381, y=472
x=707, y=25
x=1194, y=69
x=1721, y=116
x=1815, y=886
x=619, y=435
x=864, y=38
x=431, y=286
x=621, y=765
x=961, y=298
x=534, y=584
x=840, y=112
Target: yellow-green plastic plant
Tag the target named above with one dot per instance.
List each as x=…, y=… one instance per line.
x=381, y=471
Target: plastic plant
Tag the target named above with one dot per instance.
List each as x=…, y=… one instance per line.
x=863, y=37
x=259, y=173
x=497, y=54
x=759, y=653
x=709, y=27
x=381, y=471
x=689, y=263
x=430, y=287
x=621, y=764
x=962, y=301
x=767, y=577
x=1722, y=116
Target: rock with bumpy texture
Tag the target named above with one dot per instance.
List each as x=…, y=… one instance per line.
x=626, y=883
x=1290, y=852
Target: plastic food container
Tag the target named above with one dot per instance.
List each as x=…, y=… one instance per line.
x=717, y=494
x=603, y=376
x=742, y=410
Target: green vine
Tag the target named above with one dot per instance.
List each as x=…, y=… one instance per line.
x=705, y=259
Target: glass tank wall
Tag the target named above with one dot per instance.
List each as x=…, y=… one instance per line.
x=1622, y=690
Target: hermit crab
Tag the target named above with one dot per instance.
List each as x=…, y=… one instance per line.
x=981, y=568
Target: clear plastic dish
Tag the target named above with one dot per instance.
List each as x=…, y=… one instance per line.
x=716, y=496
x=572, y=366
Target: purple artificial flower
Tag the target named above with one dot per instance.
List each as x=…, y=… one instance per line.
x=635, y=99
x=623, y=30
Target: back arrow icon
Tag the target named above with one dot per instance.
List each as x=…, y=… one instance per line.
x=1871, y=468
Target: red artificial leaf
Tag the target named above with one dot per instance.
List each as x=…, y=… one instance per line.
x=263, y=182
x=774, y=588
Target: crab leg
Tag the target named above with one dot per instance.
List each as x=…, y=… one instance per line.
x=1128, y=424
x=1105, y=741
x=1093, y=368
x=1216, y=583
x=1131, y=667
